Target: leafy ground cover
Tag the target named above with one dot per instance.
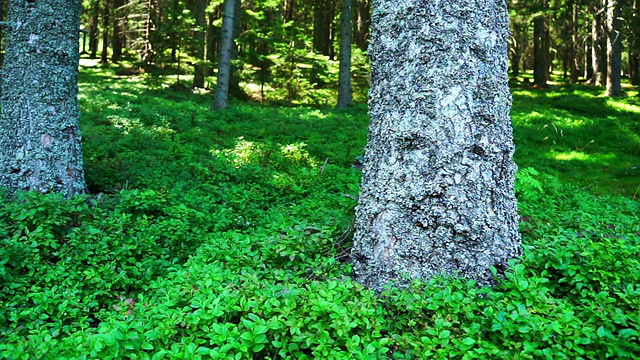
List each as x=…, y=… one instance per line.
x=225, y=235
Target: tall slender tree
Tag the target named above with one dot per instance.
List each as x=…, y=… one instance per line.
x=614, y=49
x=345, y=95
x=221, y=94
x=437, y=192
x=40, y=143
x=200, y=7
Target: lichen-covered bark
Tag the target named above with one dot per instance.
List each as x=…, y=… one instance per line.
x=39, y=134
x=437, y=193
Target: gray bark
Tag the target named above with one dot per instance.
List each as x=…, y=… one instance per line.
x=221, y=95
x=39, y=133
x=345, y=95
x=437, y=193
x=614, y=49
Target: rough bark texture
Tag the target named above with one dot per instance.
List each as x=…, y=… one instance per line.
x=344, y=78
x=39, y=134
x=614, y=49
x=226, y=49
x=437, y=193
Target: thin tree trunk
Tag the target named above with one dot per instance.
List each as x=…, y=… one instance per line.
x=118, y=31
x=361, y=24
x=200, y=7
x=104, y=57
x=94, y=30
x=540, y=67
x=573, y=58
x=221, y=95
x=437, y=192
x=598, y=46
x=614, y=49
x=634, y=46
x=344, y=78
x=1, y=34
x=40, y=137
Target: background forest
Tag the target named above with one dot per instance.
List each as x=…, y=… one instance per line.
x=226, y=234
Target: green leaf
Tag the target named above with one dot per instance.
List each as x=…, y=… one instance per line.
x=466, y=344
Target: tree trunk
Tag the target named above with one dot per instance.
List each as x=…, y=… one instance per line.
x=40, y=138
x=598, y=48
x=437, y=193
x=614, y=49
x=1, y=35
x=226, y=49
x=634, y=45
x=118, y=31
x=574, y=42
x=361, y=24
x=344, y=78
x=93, y=29
x=540, y=54
x=322, y=20
x=104, y=57
x=200, y=7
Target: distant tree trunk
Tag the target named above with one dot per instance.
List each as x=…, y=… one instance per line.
x=614, y=49
x=540, y=54
x=289, y=10
x=93, y=29
x=235, y=90
x=361, y=24
x=573, y=58
x=200, y=7
x=1, y=35
x=437, y=192
x=598, y=48
x=118, y=31
x=104, y=57
x=40, y=137
x=344, y=81
x=221, y=95
x=322, y=20
x=634, y=45
x=213, y=37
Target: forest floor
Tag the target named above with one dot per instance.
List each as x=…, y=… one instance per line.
x=226, y=235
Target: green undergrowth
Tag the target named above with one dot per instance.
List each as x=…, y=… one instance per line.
x=225, y=235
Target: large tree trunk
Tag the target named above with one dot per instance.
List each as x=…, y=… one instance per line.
x=540, y=63
x=221, y=95
x=614, y=49
x=200, y=8
x=39, y=136
x=344, y=78
x=437, y=193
